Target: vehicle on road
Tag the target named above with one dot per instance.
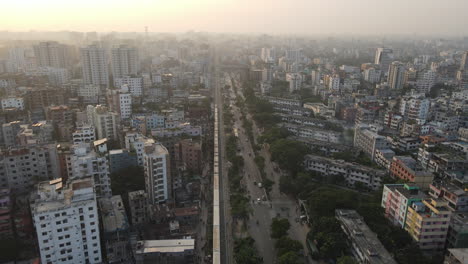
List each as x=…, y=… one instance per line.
x=259, y=185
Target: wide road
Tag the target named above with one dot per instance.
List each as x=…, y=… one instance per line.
x=277, y=205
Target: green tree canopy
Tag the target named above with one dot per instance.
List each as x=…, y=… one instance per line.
x=279, y=227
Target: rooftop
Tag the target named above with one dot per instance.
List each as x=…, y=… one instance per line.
x=363, y=237
x=113, y=214
x=165, y=246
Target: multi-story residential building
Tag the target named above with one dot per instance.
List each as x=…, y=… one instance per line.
x=383, y=58
x=85, y=162
x=369, y=141
x=115, y=230
x=136, y=142
x=177, y=129
x=22, y=167
x=353, y=173
x=372, y=75
x=383, y=157
x=13, y=102
x=89, y=93
x=105, y=122
x=406, y=144
x=156, y=164
x=84, y=134
x=366, y=247
x=265, y=88
x=58, y=76
x=282, y=101
x=458, y=231
x=334, y=83
x=316, y=77
x=397, y=198
x=427, y=222
x=320, y=109
x=456, y=256
x=138, y=202
x=120, y=101
x=94, y=66
x=134, y=84
x=6, y=214
x=406, y=168
x=415, y=108
x=294, y=80
x=38, y=98
x=66, y=221
x=125, y=61
x=455, y=195
x=426, y=81
x=178, y=251
x=396, y=74
x=188, y=154
x=313, y=133
x=51, y=54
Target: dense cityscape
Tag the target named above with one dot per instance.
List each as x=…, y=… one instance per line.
x=197, y=147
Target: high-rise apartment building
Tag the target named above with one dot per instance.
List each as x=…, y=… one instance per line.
x=85, y=162
x=396, y=75
x=383, y=57
x=134, y=84
x=156, y=165
x=120, y=101
x=51, y=54
x=464, y=61
x=369, y=141
x=105, y=122
x=94, y=66
x=66, y=220
x=124, y=61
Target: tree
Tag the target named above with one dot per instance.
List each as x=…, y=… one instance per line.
x=285, y=244
x=245, y=251
x=346, y=260
x=279, y=227
x=289, y=154
x=290, y=258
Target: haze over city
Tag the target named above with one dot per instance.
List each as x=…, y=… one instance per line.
x=327, y=17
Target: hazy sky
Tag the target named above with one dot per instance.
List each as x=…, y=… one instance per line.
x=258, y=16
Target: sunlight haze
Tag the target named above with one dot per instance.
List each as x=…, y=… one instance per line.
x=238, y=16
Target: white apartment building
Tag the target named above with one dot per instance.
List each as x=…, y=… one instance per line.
x=383, y=57
x=426, y=81
x=94, y=66
x=265, y=87
x=315, y=77
x=136, y=142
x=396, y=75
x=156, y=166
x=415, y=107
x=89, y=93
x=369, y=141
x=462, y=95
x=177, y=129
x=21, y=168
x=85, y=162
x=334, y=83
x=372, y=75
x=51, y=54
x=352, y=173
x=124, y=61
x=134, y=84
x=66, y=222
x=120, y=101
x=84, y=134
x=314, y=133
x=13, y=102
x=295, y=81
x=58, y=76
x=105, y=122
x=282, y=101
